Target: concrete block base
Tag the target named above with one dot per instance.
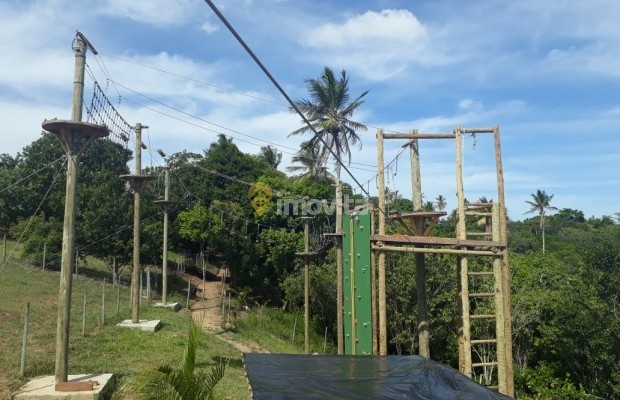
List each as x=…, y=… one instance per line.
x=174, y=306
x=143, y=325
x=43, y=388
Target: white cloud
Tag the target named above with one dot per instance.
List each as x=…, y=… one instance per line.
x=209, y=27
x=378, y=45
x=154, y=12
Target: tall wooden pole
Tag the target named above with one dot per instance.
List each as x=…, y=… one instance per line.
x=135, y=276
x=373, y=285
x=381, y=258
x=510, y=391
x=420, y=262
x=339, y=305
x=66, y=265
x=164, y=268
x=462, y=266
x=75, y=136
x=306, y=286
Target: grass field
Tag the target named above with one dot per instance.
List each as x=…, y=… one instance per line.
x=105, y=347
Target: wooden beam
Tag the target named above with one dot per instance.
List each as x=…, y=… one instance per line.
x=381, y=258
x=478, y=130
x=423, y=240
x=422, y=250
x=418, y=136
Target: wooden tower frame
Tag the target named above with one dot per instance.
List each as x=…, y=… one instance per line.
x=466, y=246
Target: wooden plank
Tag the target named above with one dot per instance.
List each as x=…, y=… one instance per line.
x=422, y=240
x=418, y=136
x=478, y=130
x=81, y=386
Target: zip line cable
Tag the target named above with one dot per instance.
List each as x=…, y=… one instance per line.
x=268, y=74
x=49, y=189
x=285, y=149
x=31, y=174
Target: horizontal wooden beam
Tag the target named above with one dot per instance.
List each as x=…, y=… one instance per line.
x=398, y=249
x=423, y=240
x=478, y=130
x=419, y=136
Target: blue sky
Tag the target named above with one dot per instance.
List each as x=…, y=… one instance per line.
x=547, y=72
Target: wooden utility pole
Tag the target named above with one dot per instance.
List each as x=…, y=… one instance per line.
x=339, y=305
x=75, y=136
x=137, y=182
x=381, y=257
x=420, y=262
x=503, y=236
x=306, y=285
x=165, y=205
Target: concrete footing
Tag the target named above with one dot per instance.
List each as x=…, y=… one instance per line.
x=143, y=325
x=174, y=306
x=43, y=388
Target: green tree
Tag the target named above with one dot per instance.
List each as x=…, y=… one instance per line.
x=329, y=111
x=271, y=156
x=309, y=159
x=541, y=203
x=440, y=203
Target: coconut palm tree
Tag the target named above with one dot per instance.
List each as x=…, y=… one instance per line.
x=308, y=159
x=329, y=111
x=271, y=155
x=541, y=202
x=440, y=203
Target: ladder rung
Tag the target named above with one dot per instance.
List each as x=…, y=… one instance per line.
x=481, y=294
x=482, y=341
x=480, y=273
x=479, y=234
x=484, y=364
x=482, y=316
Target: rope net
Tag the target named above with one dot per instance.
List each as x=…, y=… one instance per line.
x=102, y=112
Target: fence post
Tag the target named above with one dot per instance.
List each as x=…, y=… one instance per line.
x=44, y=251
x=325, y=342
x=103, y=303
x=189, y=287
x=25, y=340
x=84, y=314
x=148, y=284
x=294, y=328
x=118, y=296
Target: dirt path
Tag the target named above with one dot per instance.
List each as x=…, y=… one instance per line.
x=207, y=312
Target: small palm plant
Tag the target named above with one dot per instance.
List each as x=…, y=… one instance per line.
x=185, y=383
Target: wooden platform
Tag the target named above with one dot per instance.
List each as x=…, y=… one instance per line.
x=437, y=241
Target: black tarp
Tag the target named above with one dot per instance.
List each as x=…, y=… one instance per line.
x=290, y=376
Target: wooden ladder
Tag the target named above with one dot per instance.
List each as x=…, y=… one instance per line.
x=476, y=354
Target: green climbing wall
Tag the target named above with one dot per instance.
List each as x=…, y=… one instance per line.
x=357, y=283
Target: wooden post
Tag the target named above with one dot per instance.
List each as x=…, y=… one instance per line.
x=118, y=297
x=499, y=304
x=462, y=266
x=148, y=284
x=339, y=283
x=84, y=314
x=164, y=268
x=44, y=254
x=306, y=286
x=140, y=292
x=103, y=303
x=25, y=340
x=373, y=285
x=4, y=249
x=204, y=278
x=325, y=342
x=77, y=258
x=189, y=288
x=381, y=257
x=510, y=391
x=294, y=328
x=136, y=276
x=420, y=262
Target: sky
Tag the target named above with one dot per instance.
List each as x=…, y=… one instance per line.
x=548, y=73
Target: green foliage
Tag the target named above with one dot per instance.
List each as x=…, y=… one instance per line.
x=185, y=383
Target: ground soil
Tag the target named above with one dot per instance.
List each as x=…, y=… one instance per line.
x=207, y=312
